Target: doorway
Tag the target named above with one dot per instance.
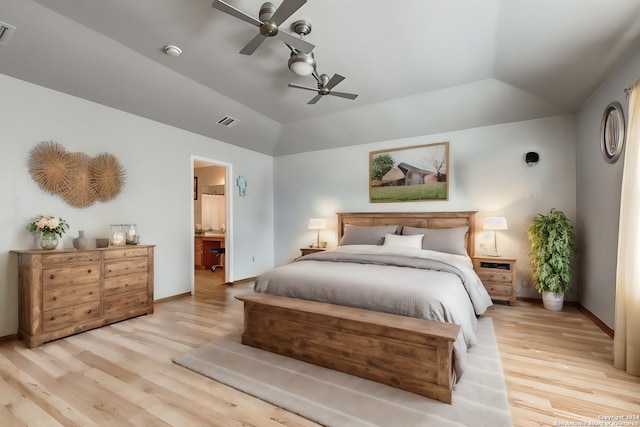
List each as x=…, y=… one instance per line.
x=211, y=224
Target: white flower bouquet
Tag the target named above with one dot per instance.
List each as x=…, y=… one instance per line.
x=48, y=224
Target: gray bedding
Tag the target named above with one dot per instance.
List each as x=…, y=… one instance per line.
x=406, y=281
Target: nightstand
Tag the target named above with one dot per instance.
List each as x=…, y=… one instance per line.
x=307, y=251
x=498, y=276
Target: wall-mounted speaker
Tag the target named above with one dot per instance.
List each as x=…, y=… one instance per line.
x=531, y=158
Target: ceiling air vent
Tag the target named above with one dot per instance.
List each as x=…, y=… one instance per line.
x=228, y=121
x=6, y=32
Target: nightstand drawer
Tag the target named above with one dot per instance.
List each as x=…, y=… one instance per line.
x=495, y=275
x=496, y=289
x=307, y=251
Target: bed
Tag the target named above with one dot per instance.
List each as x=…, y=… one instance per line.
x=396, y=302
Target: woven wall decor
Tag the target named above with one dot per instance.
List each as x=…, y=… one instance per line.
x=78, y=178
x=80, y=192
x=108, y=176
x=51, y=166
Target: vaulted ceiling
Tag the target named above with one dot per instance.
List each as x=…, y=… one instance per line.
x=420, y=67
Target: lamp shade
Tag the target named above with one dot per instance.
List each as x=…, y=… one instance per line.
x=317, y=224
x=495, y=223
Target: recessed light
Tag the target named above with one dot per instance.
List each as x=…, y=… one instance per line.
x=172, y=50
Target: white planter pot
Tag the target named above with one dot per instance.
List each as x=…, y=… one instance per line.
x=552, y=301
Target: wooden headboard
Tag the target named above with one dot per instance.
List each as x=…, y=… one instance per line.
x=414, y=219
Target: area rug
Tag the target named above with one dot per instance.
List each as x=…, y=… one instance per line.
x=337, y=399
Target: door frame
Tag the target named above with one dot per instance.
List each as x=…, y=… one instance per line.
x=228, y=255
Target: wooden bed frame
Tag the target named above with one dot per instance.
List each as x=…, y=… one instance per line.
x=404, y=352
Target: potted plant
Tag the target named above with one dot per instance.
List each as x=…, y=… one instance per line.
x=552, y=249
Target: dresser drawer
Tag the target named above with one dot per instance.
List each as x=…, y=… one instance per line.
x=127, y=266
x=130, y=283
x=70, y=275
x=122, y=303
x=71, y=257
x=494, y=275
x=69, y=316
x=498, y=289
x=57, y=297
x=125, y=253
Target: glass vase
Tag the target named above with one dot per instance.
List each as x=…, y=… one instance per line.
x=48, y=240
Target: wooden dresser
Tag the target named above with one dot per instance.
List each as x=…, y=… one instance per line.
x=63, y=292
x=498, y=276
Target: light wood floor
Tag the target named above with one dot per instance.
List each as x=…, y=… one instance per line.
x=557, y=368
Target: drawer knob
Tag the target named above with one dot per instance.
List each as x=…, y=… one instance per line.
x=52, y=277
x=89, y=271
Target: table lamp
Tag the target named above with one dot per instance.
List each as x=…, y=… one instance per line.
x=494, y=223
x=317, y=224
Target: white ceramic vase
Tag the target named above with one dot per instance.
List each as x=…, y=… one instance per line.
x=80, y=242
x=552, y=301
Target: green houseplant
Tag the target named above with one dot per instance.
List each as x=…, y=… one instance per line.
x=552, y=249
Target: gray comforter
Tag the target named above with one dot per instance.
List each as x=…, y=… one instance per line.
x=410, y=282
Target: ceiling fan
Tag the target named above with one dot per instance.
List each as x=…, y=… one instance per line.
x=269, y=20
x=324, y=87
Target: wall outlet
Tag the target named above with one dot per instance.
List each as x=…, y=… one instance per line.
x=525, y=284
x=253, y=259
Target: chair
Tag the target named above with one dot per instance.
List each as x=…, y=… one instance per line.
x=218, y=252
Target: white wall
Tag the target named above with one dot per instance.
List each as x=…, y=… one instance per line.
x=598, y=195
x=487, y=174
x=158, y=195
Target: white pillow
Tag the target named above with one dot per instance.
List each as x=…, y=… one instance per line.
x=413, y=241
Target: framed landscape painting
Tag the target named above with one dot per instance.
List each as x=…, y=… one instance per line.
x=409, y=174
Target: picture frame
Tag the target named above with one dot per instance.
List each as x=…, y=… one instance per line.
x=195, y=188
x=612, y=132
x=409, y=174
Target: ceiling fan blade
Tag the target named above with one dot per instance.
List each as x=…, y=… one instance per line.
x=344, y=95
x=286, y=9
x=337, y=78
x=315, y=99
x=237, y=13
x=253, y=44
x=296, y=42
x=302, y=87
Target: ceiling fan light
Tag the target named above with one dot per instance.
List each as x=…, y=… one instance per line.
x=302, y=64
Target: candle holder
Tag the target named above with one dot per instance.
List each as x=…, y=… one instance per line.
x=118, y=235
x=132, y=237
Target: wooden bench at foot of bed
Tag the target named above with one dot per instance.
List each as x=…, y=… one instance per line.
x=403, y=352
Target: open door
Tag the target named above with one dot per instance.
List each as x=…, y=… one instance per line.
x=211, y=223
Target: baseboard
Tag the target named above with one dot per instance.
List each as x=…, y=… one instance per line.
x=596, y=320
x=9, y=338
x=171, y=297
x=248, y=279
x=539, y=301
x=599, y=323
